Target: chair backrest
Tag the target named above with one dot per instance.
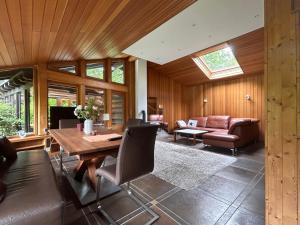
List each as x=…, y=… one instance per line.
x=68, y=123
x=134, y=122
x=136, y=153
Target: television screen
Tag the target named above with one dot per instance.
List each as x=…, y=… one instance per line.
x=59, y=112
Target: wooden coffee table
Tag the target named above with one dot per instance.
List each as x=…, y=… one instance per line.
x=190, y=133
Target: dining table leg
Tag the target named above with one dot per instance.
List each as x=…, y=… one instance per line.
x=80, y=170
x=92, y=166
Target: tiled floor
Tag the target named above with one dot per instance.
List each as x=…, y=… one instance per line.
x=234, y=195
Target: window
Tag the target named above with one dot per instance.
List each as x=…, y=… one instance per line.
x=68, y=67
x=95, y=70
x=117, y=109
x=218, y=63
x=117, y=72
x=16, y=101
x=61, y=95
x=98, y=95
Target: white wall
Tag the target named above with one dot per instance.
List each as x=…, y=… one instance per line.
x=140, y=87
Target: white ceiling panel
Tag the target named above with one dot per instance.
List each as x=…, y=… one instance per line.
x=205, y=23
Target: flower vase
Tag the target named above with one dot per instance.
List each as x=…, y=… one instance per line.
x=88, y=127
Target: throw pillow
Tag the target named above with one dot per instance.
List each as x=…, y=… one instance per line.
x=7, y=150
x=181, y=123
x=2, y=191
x=192, y=123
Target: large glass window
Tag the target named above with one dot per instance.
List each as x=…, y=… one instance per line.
x=95, y=70
x=118, y=109
x=99, y=96
x=117, y=72
x=16, y=101
x=218, y=63
x=61, y=95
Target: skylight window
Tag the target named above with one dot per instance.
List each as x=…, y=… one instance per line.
x=218, y=62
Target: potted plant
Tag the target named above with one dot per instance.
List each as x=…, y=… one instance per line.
x=89, y=113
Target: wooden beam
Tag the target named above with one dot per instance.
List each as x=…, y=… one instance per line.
x=42, y=90
x=282, y=112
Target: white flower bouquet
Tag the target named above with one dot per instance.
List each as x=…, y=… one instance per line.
x=89, y=112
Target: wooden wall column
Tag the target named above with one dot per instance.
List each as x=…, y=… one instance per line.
x=42, y=90
x=282, y=88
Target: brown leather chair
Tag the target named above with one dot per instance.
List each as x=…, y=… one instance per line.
x=134, y=122
x=68, y=123
x=135, y=159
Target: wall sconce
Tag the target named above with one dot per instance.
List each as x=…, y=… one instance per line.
x=248, y=97
x=205, y=100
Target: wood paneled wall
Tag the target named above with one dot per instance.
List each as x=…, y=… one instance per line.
x=282, y=87
x=168, y=93
x=226, y=97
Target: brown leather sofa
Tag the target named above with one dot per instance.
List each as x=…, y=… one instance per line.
x=227, y=132
x=158, y=119
x=32, y=195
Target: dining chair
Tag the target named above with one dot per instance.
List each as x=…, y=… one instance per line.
x=134, y=122
x=135, y=159
x=65, y=123
x=68, y=123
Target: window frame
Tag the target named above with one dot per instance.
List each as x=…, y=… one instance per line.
x=199, y=60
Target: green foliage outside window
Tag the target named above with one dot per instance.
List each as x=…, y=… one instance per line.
x=220, y=60
x=118, y=73
x=9, y=124
x=95, y=71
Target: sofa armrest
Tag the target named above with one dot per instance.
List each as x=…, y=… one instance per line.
x=237, y=127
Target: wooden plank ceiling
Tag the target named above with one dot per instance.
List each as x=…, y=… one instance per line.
x=248, y=49
x=35, y=31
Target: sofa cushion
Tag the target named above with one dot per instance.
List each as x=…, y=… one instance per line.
x=192, y=123
x=32, y=195
x=218, y=122
x=2, y=191
x=221, y=137
x=181, y=123
x=7, y=150
x=201, y=121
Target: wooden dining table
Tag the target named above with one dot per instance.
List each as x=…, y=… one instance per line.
x=92, y=150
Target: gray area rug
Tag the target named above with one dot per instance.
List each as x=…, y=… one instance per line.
x=186, y=167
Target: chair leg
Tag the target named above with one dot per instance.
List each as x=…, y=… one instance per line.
x=107, y=217
x=132, y=196
x=145, y=207
x=61, y=151
x=234, y=151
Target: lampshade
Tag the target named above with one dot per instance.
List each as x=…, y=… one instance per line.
x=105, y=117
